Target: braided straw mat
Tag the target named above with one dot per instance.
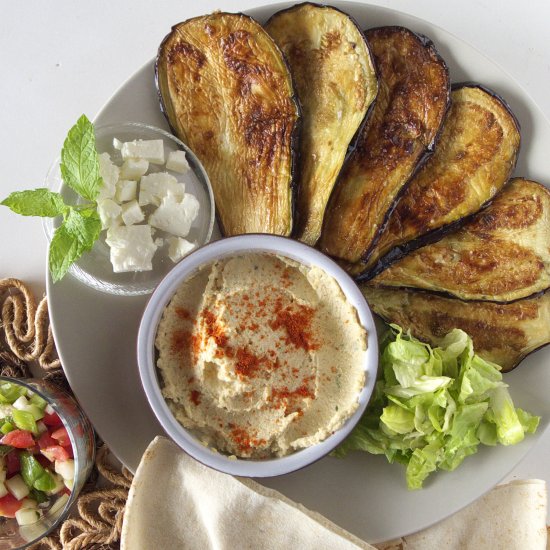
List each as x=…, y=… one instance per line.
x=26, y=343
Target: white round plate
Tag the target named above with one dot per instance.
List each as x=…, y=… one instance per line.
x=96, y=339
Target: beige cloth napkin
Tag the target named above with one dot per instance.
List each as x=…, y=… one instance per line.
x=175, y=502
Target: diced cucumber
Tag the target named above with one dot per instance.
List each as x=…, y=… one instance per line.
x=24, y=420
x=65, y=468
x=36, y=411
x=7, y=427
x=5, y=411
x=10, y=392
x=27, y=516
x=17, y=487
x=3, y=490
x=38, y=401
x=3, y=474
x=59, y=485
x=29, y=503
x=21, y=403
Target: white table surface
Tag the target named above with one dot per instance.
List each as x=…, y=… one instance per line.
x=64, y=58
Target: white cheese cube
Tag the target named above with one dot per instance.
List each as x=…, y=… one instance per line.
x=17, y=487
x=117, y=144
x=132, y=213
x=133, y=169
x=178, y=248
x=154, y=187
x=175, y=217
x=109, y=172
x=132, y=248
x=151, y=150
x=126, y=190
x=177, y=162
x=27, y=516
x=109, y=212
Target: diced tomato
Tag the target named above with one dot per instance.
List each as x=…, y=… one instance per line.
x=20, y=439
x=62, y=437
x=13, y=464
x=66, y=491
x=52, y=420
x=9, y=505
x=46, y=440
x=55, y=452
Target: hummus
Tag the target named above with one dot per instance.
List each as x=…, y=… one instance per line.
x=260, y=356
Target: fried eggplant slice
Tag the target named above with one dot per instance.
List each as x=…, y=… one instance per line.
x=501, y=255
x=227, y=93
x=336, y=82
x=413, y=97
x=475, y=156
x=502, y=333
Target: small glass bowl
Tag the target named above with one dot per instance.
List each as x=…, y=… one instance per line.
x=82, y=439
x=94, y=268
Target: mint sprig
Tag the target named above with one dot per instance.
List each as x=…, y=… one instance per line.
x=81, y=223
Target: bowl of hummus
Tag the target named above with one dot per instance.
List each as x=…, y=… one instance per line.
x=258, y=355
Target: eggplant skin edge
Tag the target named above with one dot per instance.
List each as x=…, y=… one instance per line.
x=308, y=227
x=543, y=295
x=429, y=148
x=294, y=135
x=436, y=234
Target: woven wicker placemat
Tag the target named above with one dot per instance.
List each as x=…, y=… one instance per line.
x=27, y=349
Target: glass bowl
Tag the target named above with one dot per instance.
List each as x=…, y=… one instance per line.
x=94, y=268
x=82, y=439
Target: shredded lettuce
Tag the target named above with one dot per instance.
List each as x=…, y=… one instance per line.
x=432, y=407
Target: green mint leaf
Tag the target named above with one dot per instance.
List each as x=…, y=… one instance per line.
x=79, y=160
x=65, y=248
x=38, y=202
x=85, y=225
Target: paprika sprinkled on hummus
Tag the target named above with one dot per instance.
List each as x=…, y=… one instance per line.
x=261, y=356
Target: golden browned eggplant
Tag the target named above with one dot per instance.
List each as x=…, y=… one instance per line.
x=502, y=254
x=412, y=100
x=336, y=83
x=502, y=333
x=475, y=155
x=227, y=92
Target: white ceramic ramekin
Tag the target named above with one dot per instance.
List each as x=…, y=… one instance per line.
x=147, y=354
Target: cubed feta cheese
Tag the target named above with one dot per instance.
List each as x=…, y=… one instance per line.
x=132, y=213
x=117, y=144
x=132, y=248
x=126, y=190
x=151, y=150
x=133, y=169
x=177, y=162
x=109, y=212
x=178, y=248
x=109, y=172
x=175, y=217
x=154, y=187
